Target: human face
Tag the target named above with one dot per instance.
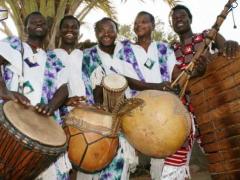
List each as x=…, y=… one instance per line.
x=69, y=31
x=181, y=21
x=143, y=25
x=106, y=33
x=36, y=26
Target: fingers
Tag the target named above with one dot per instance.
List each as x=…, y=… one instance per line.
x=20, y=99
x=76, y=100
x=230, y=49
x=44, y=109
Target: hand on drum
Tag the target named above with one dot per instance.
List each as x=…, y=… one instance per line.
x=16, y=97
x=164, y=86
x=76, y=101
x=45, y=109
x=230, y=49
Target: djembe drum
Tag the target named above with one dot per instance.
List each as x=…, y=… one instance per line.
x=216, y=99
x=92, y=133
x=160, y=126
x=29, y=142
x=113, y=87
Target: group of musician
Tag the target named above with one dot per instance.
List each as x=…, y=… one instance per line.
x=54, y=80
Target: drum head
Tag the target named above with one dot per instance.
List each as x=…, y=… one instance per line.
x=115, y=82
x=35, y=126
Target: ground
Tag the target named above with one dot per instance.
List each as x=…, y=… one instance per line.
x=198, y=167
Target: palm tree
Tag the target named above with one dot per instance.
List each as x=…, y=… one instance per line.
x=54, y=10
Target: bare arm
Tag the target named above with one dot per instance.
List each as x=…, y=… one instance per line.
x=98, y=95
x=228, y=48
x=141, y=86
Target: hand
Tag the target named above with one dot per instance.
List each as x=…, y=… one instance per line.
x=200, y=66
x=230, y=49
x=164, y=86
x=76, y=100
x=45, y=109
x=15, y=96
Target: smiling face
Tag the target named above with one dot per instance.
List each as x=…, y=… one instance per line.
x=36, y=26
x=143, y=25
x=69, y=31
x=106, y=33
x=181, y=22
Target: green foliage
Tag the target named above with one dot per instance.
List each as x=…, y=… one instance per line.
x=159, y=34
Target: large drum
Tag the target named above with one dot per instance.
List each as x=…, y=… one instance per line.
x=160, y=126
x=92, y=133
x=29, y=142
x=92, y=146
x=216, y=99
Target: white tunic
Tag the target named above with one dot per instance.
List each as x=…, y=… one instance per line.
x=73, y=63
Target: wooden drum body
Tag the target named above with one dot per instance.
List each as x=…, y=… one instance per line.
x=160, y=126
x=29, y=142
x=216, y=100
x=91, y=144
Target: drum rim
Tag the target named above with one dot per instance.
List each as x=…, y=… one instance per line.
x=115, y=90
x=26, y=140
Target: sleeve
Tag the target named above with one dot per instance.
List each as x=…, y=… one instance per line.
x=62, y=77
x=76, y=85
x=171, y=60
x=12, y=55
x=121, y=65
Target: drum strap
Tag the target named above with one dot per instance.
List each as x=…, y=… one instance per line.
x=88, y=127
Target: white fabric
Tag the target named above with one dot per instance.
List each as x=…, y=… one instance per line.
x=130, y=158
x=62, y=164
x=126, y=68
x=156, y=168
x=84, y=176
x=151, y=75
x=110, y=64
x=35, y=76
x=73, y=64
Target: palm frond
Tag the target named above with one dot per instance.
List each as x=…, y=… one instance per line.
x=42, y=6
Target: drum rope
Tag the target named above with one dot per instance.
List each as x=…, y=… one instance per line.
x=183, y=79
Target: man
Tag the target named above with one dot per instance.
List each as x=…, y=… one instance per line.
x=154, y=63
x=98, y=62
x=71, y=57
x=184, y=51
x=31, y=76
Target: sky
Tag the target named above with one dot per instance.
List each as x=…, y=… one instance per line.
x=204, y=15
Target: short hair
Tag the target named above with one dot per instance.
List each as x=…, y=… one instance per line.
x=178, y=7
x=105, y=19
x=68, y=17
x=29, y=15
x=152, y=19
